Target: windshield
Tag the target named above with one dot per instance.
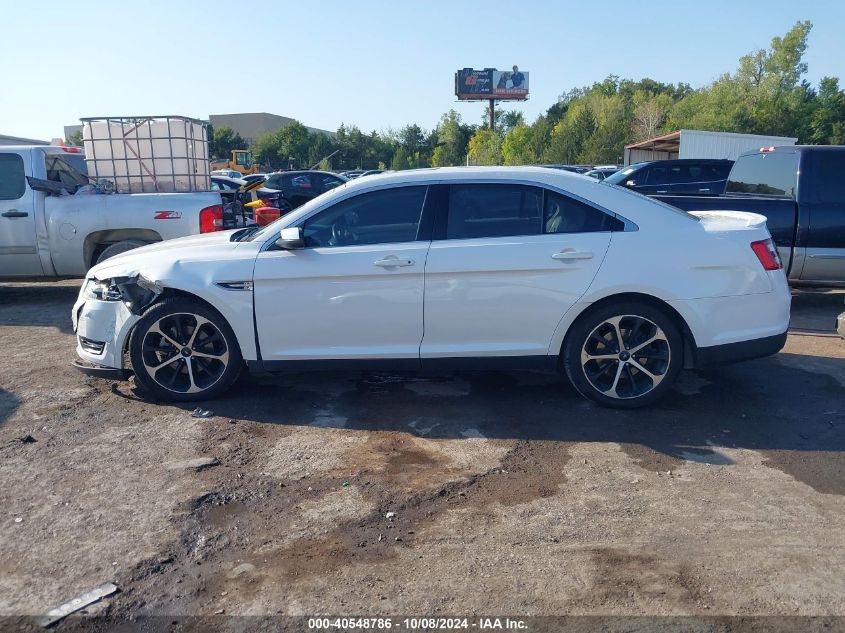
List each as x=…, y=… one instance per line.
x=621, y=175
x=292, y=217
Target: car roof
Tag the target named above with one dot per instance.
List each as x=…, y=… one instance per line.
x=679, y=161
x=429, y=175
x=239, y=181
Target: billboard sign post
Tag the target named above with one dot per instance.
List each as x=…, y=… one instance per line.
x=491, y=85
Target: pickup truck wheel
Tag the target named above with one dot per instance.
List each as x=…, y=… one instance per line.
x=183, y=350
x=119, y=247
x=624, y=356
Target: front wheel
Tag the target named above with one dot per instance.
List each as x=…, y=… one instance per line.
x=624, y=356
x=183, y=350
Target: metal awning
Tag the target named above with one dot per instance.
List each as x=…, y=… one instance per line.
x=667, y=143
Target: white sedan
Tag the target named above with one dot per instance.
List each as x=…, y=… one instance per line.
x=455, y=268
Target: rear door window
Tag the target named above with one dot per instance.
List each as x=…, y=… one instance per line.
x=566, y=215
x=12, y=177
x=494, y=210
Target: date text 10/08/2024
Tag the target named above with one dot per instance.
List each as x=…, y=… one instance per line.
x=423, y=623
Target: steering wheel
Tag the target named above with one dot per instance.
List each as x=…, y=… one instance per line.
x=341, y=234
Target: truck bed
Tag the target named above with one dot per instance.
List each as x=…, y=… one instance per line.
x=781, y=214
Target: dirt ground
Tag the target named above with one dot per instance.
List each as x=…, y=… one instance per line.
x=511, y=494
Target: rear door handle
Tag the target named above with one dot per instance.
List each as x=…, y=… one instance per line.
x=14, y=213
x=705, y=190
x=391, y=261
x=571, y=255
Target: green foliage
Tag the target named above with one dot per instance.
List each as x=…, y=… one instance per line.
x=401, y=159
x=223, y=141
x=74, y=139
x=827, y=124
x=485, y=148
x=517, y=148
x=452, y=140
x=288, y=147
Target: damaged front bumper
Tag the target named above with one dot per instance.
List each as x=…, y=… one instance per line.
x=103, y=316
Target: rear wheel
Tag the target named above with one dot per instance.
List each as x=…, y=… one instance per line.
x=624, y=356
x=119, y=247
x=183, y=350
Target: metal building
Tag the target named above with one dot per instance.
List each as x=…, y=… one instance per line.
x=700, y=144
x=17, y=140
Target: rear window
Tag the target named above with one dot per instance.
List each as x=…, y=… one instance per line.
x=12, y=180
x=766, y=173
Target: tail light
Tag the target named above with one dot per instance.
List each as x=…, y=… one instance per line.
x=767, y=253
x=211, y=219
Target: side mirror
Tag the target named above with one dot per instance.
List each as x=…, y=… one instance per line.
x=291, y=238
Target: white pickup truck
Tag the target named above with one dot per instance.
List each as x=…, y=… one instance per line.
x=45, y=232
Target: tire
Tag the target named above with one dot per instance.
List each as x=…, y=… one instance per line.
x=635, y=374
x=118, y=248
x=164, y=332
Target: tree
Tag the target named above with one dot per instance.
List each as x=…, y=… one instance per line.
x=827, y=125
x=452, y=139
x=223, y=141
x=400, y=159
x=517, y=148
x=649, y=115
x=570, y=134
x=287, y=147
x=485, y=148
x=74, y=139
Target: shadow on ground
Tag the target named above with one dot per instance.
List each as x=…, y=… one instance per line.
x=9, y=403
x=42, y=304
x=794, y=416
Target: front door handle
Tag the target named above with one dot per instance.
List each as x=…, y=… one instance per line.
x=391, y=261
x=570, y=254
x=14, y=213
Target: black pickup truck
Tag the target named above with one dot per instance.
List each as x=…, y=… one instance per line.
x=801, y=191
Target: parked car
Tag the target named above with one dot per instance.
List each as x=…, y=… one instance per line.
x=44, y=232
x=575, y=169
x=801, y=191
x=298, y=187
x=250, y=178
x=371, y=172
x=507, y=267
x=601, y=173
x=227, y=173
x=224, y=183
x=352, y=173
x=688, y=175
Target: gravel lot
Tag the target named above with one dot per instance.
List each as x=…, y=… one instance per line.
x=511, y=494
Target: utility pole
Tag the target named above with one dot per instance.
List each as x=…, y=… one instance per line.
x=492, y=112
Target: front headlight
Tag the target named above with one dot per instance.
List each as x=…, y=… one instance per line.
x=100, y=291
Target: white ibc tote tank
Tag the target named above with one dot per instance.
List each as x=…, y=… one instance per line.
x=148, y=154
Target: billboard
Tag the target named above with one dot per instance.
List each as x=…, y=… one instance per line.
x=491, y=84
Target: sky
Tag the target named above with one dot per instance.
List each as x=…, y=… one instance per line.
x=378, y=65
